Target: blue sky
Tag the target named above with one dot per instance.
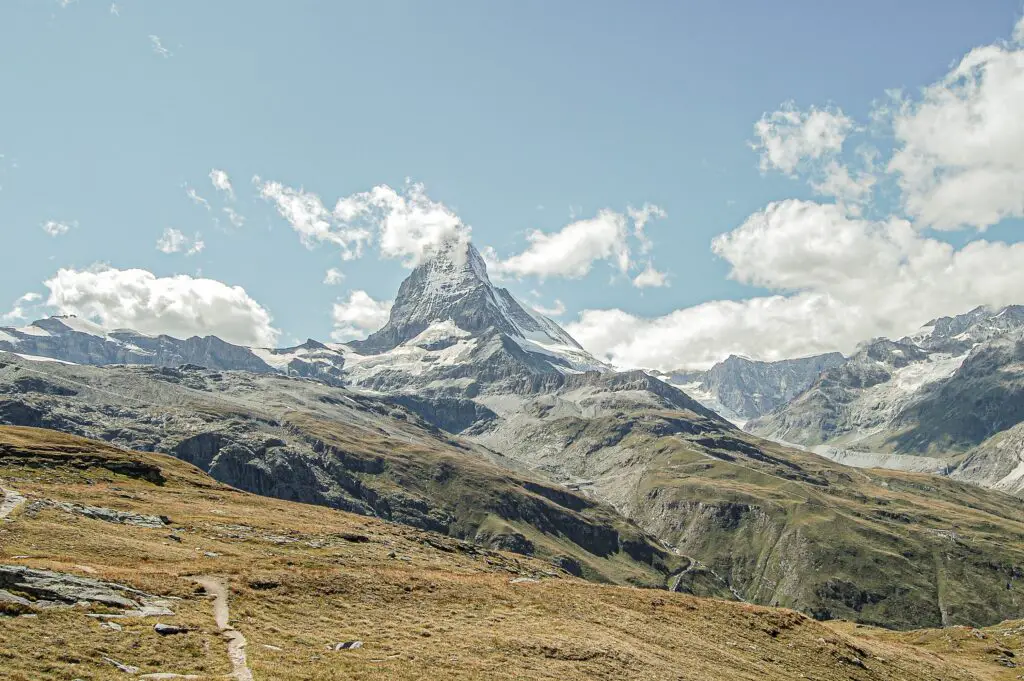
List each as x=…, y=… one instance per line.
x=516, y=117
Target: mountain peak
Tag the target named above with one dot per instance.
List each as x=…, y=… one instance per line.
x=452, y=290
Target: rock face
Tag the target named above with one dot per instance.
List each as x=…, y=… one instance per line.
x=453, y=333
x=941, y=392
x=47, y=589
x=99, y=513
x=742, y=389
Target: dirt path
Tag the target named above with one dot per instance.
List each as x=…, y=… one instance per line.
x=218, y=588
x=11, y=501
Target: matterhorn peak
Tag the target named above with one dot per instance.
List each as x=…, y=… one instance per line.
x=451, y=290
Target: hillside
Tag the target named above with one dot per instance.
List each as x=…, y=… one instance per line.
x=299, y=579
x=302, y=440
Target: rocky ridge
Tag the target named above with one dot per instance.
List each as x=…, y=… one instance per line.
x=941, y=392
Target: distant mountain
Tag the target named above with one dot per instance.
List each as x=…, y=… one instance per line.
x=79, y=341
x=939, y=392
x=741, y=389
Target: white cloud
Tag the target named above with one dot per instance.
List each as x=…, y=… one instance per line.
x=641, y=216
x=174, y=241
x=570, y=252
x=236, y=218
x=55, y=228
x=179, y=306
x=196, y=198
x=359, y=316
x=404, y=224
x=838, y=182
x=650, y=278
x=408, y=225
x=158, y=47
x=305, y=212
x=839, y=278
x=222, y=182
x=960, y=147
x=334, y=276
x=114, y=9
x=845, y=279
x=556, y=310
x=18, y=309
x=788, y=137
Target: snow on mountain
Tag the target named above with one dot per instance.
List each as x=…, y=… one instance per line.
x=955, y=384
x=740, y=388
x=451, y=331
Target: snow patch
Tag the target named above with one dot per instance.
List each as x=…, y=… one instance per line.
x=33, y=330
x=83, y=326
x=37, y=358
x=710, y=400
x=438, y=331
x=893, y=462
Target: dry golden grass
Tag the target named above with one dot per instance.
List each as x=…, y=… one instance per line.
x=303, y=578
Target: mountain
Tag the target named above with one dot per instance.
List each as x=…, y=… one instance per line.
x=79, y=341
x=940, y=393
x=469, y=415
x=742, y=389
x=101, y=533
x=452, y=332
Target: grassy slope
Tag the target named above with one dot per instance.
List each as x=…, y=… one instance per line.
x=425, y=605
x=381, y=458
x=790, y=528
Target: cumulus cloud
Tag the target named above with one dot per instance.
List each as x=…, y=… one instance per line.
x=556, y=310
x=174, y=241
x=570, y=252
x=650, y=278
x=836, y=277
x=408, y=224
x=179, y=306
x=359, y=316
x=405, y=224
x=18, y=310
x=788, y=137
x=334, y=276
x=960, y=147
x=641, y=216
x=56, y=228
x=843, y=279
x=222, y=182
x=306, y=213
x=849, y=188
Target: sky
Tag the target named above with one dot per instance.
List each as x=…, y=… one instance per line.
x=672, y=182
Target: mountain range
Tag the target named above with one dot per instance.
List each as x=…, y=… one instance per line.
x=946, y=399
x=471, y=415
